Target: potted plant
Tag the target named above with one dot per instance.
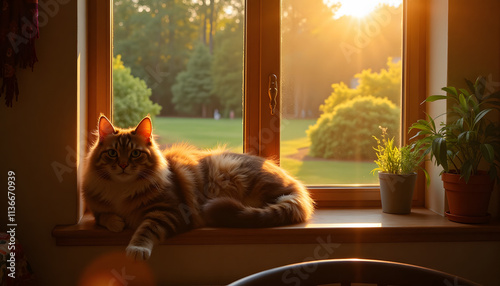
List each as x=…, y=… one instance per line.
x=397, y=168
x=466, y=147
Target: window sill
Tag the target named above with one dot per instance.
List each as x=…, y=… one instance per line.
x=344, y=226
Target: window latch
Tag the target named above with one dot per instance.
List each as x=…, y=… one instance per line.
x=273, y=92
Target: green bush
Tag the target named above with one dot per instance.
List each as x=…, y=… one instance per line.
x=346, y=132
x=383, y=84
x=130, y=97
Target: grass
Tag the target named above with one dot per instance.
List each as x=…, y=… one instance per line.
x=209, y=133
x=201, y=132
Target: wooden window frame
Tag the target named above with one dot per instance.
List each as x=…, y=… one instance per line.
x=100, y=57
x=262, y=58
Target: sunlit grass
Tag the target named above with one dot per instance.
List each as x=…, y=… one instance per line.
x=200, y=132
x=209, y=133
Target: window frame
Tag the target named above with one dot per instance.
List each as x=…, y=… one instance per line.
x=261, y=132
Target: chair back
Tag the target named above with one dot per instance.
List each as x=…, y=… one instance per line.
x=343, y=272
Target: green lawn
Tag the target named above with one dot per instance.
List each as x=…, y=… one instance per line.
x=201, y=132
x=208, y=133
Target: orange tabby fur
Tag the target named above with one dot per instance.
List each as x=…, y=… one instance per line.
x=129, y=182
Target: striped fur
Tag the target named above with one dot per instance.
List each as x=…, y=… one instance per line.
x=129, y=182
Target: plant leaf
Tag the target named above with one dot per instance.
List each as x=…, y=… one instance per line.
x=470, y=85
x=494, y=95
x=420, y=126
x=460, y=123
x=436, y=97
x=479, y=87
x=466, y=170
x=440, y=152
x=463, y=102
x=464, y=137
x=481, y=115
x=488, y=152
x=451, y=90
x=465, y=92
x=492, y=102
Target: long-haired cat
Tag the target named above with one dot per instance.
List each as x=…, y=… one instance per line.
x=129, y=182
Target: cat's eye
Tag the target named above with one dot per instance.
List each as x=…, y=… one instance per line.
x=136, y=153
x=112, y=153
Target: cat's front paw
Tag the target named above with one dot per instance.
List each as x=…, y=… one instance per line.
x=138, y=253
x=112, y=222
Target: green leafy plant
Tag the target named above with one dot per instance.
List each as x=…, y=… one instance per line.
x=131, y=96
x=397, y=160
x=346, y=133
x=468, y=139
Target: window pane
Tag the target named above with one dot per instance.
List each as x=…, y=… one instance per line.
x=181, y=62
x=341, y=80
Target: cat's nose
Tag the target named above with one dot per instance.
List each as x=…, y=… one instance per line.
x=123, y=165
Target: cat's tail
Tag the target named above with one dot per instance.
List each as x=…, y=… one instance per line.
x=288, y=209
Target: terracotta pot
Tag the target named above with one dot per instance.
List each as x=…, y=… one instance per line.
x=468, y=201
x=396, y=192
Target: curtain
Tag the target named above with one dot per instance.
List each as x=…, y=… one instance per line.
x=18, y=32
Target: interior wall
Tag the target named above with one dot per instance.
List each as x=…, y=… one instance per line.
x=437, y=72
x=463, y=43
x=38, y=142
x=474, y=50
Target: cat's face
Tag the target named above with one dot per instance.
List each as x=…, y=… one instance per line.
x=125, y=155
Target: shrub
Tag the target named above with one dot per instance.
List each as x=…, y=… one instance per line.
x=130, y=97
x=346, y=132
x=383, y=84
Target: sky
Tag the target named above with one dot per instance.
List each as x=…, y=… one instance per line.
x=359, y=8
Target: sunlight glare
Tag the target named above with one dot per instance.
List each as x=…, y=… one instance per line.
x=359, y=8
x=343, y=225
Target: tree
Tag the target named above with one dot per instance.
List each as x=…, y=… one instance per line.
x=314, y=40
x=227, y=68
x=130, y=97
x=155, y=39
x=192, y=92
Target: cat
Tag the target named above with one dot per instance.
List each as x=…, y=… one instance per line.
x=129, y=182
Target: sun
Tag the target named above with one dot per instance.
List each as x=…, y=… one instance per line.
x=358, y=8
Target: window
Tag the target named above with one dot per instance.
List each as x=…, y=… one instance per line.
x=182, y=63
x=263, y=47
x=341, y=80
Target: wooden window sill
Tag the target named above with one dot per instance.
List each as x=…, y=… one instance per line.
x=342, y=225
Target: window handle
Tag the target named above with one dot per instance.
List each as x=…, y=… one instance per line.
x=273, y=92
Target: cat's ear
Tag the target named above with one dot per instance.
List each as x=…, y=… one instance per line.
x=105, y=128
x=145, y=128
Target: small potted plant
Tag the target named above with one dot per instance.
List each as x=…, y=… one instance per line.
x=397, y=174
x=466, y=147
